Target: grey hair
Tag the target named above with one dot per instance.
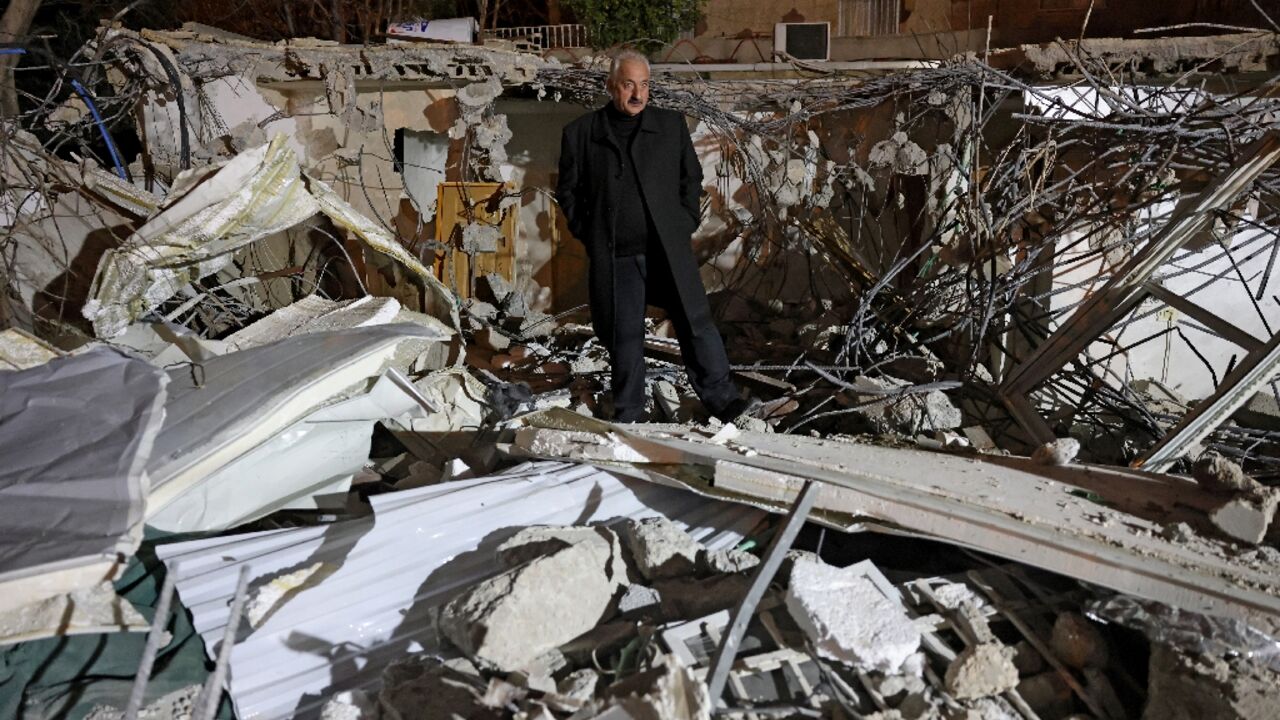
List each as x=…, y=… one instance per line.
x=624, y=55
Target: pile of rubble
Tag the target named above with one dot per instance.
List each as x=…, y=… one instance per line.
x=265, y=457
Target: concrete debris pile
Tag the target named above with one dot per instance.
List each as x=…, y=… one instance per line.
x=301, y=415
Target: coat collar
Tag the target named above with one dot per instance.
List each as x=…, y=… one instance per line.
x=601, y=133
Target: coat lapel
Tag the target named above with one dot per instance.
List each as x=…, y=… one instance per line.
x=644, y=146
x=600, y=131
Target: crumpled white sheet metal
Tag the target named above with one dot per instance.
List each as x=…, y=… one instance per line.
x=394, y=570
x=257, y=193
x=222, y=409
x=312, y=458
x=75, y=436
x=313, y=314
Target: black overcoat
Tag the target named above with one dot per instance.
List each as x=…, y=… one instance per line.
x=671, y=181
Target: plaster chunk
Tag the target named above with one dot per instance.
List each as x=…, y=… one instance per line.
x=1247, y=516
x=660, y=548
x=982, y=670
x=848, y=618
x=1058, y=452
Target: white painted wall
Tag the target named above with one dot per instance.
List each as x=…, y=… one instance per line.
x=1168, y=358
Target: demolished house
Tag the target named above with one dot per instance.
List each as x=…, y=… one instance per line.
x=302, y=413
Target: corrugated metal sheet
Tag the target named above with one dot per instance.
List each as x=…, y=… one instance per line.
x=396, y=568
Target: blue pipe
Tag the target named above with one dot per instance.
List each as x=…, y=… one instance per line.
x=13, y=51
x=102, y=127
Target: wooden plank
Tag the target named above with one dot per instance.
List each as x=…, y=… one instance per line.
x=456, y=204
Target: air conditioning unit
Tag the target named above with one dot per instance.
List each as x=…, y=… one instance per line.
x=803, y=41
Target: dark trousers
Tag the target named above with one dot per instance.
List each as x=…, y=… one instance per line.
x=641, y=280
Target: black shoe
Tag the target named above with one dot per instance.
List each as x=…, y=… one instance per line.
x=737, y=408
x=629, y=416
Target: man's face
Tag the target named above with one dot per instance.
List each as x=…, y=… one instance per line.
x=630, y=88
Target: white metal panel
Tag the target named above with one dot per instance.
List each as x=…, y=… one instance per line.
x=395, y=569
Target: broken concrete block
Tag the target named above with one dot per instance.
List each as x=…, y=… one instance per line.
x=1218, y=474
x=1182, y=686
x=177, y=705
x=1057, y=452
x=992, y=708
x=1078, y=642
x=421, y=474
x=1247, y=516
x=1160, y=399
x=538, y=681
x=481, y=309
x=587, y=365
x=543, y=540
x=1261, y=412
x=639, y=600
x=982, y=670
x=660, y=548
x=848, y=618
x=500, y=694
x=579, y=685
x=493, y=288
x=96, y=609
x=509, y=620
x=979, y=438
x=726, y=561
x=536, y=325
x=491, y=338
x=883, y=412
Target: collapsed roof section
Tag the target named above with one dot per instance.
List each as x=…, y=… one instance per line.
x=210, y=214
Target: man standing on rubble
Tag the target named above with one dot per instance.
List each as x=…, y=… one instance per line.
x=629, y=188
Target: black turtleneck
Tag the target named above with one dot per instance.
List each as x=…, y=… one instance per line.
x=632, y=226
